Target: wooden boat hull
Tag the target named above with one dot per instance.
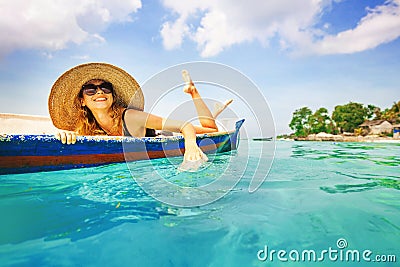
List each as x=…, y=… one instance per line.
x=36, y=153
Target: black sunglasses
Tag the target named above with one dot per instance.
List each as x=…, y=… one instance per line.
x=91, y=89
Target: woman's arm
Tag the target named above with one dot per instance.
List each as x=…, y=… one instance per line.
x=137, y=121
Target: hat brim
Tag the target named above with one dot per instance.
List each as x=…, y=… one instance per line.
x=62, y=96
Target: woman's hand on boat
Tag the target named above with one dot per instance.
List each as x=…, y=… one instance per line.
x=66, y=137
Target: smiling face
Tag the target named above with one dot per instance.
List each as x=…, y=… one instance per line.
x=96, y=95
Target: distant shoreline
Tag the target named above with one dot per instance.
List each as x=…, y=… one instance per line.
x=343, y=138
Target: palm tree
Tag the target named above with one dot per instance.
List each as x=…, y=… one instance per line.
x=393, y=114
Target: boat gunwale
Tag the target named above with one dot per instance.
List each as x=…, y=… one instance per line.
x=100, y=138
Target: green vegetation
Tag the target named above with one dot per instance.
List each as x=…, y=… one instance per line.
x=321, y=122
x=301, y=122
x=348, y=117
x=392, y=114
x=345, y=118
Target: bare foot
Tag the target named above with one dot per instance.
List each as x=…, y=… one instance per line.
x=186, y=76
x=219, y=107
x=189, y=87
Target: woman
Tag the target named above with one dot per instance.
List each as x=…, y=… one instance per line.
x=101, y=99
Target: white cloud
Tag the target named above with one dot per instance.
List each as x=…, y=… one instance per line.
x=381, y=25
x=81, y=57
x=175, y=32
x=51, y=24
x=224, y=23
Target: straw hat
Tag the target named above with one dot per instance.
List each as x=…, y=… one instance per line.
x=62, y=110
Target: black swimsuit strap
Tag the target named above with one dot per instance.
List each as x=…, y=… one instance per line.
x=124, y=128
x=149, y=132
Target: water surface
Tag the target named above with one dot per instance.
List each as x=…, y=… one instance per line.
x=316, y=194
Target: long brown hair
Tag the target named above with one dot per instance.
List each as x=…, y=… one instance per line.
x=86, y=122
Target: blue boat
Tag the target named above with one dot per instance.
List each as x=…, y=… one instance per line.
x=37, y=153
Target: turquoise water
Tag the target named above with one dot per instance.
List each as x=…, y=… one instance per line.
x=316, y=194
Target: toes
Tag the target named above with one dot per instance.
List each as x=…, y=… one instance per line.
x=186, y=77
x=221, y=107
x=228, y=102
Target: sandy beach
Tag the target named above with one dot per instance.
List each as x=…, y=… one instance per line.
x=25, y=124
x=348, y=138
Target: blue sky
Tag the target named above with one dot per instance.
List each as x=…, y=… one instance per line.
x=299, y=53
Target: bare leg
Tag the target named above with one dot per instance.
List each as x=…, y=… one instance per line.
x=205, y=116
x=221, y=107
